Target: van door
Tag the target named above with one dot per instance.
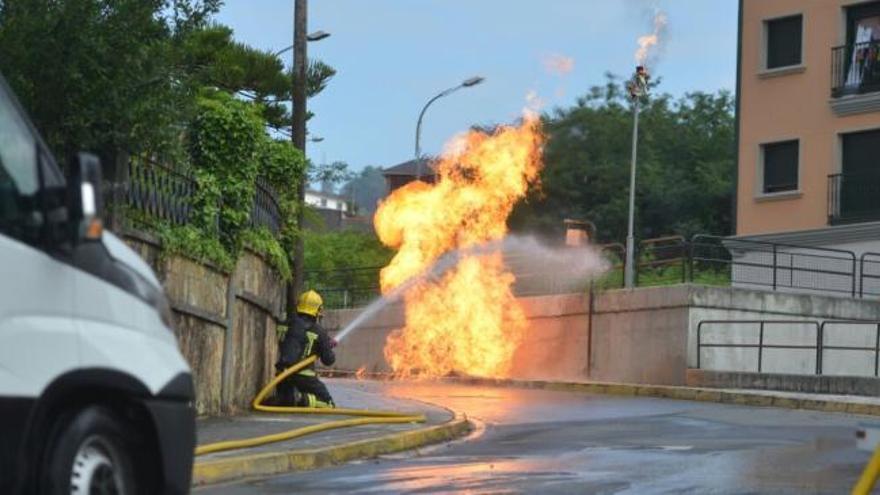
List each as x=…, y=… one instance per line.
x=38, y=340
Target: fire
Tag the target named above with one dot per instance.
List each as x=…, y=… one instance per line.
x=360, y=373
x=466, y=319
x=649, y=41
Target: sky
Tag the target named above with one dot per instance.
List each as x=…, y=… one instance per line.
x=392, y=56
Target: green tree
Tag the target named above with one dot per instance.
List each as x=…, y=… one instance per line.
x=685, y=170
x=93, y=74
x=347, y=249
x=124, y=75
x=211, y=57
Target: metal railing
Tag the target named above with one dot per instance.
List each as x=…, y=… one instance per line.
x=875, y=348
x=869, y=271
x=345, y=287
x=820, y=347
x=159, y=192
x=705, y=259
x=661, y=261
x=759, y=345
x=776, y=266
x=855, y=68
x=265, y=212
x=853, y=197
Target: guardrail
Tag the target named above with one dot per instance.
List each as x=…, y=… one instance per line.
x=820, y=347
x=662, y=260
x=760, y=345
x=875, y=348
x=345, y=287
x=869, y=269
x=775, y=265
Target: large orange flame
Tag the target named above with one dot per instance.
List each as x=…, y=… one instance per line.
x=465, y=320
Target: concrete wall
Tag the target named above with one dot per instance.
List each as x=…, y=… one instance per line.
x=649, y=335
x=557, y=324
x=225, y=323
x=740, y=304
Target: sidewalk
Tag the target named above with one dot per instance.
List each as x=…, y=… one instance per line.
x=320, y=449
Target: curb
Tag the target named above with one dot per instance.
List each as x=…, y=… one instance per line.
x=742, y=398
x=763, y=398
x=270, y=463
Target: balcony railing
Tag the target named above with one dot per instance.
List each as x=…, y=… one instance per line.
x=855, y=69
x=853, y=197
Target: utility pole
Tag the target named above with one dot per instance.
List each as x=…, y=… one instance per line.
x=299, y=141
x=637, y=87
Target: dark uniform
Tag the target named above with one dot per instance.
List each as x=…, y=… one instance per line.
x=304, y=338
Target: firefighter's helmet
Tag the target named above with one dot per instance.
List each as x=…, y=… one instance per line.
x=310, y=303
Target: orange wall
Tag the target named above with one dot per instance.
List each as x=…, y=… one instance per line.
x=791, y=106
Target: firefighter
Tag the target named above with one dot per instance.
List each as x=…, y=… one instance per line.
x=305, y=337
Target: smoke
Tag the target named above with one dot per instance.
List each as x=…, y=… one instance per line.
x=534, y=103
x=651, y=45
x=557, y=64
x=543, y=269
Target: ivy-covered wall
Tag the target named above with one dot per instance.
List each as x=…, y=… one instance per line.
x=225, y=321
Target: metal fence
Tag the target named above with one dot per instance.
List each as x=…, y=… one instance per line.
x=705, y=259
x=869, y=275
x=345, y=287
x=821, y=347
x=775, y=266
x=662, y=261
x=157, y=192
x=265, y=212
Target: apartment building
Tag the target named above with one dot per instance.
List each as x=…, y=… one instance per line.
x=808, y=114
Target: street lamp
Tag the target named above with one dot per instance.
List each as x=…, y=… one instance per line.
x=316, y=36
x=638, y=88
x=316, y=139
x=467, y=83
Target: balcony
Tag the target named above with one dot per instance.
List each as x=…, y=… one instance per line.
x=853, y=198
x=855, y=69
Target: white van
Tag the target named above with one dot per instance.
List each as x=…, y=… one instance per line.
x=95, y=396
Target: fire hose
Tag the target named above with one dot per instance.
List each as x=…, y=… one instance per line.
x=364, y=417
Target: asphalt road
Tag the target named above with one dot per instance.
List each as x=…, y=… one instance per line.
x=534, y=441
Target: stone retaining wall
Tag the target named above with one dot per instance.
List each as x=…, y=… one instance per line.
x=225, y=323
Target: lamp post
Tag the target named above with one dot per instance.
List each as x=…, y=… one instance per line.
x=298, y=135
x=637, y=87
x=315, y=36
x=467, y=83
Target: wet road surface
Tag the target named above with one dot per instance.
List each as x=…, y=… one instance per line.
x=535, y=441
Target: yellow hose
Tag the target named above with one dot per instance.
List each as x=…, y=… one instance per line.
x=366, y=417
x=869, y=475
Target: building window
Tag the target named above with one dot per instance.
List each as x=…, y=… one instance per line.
x=784, y=41
x=780, y=164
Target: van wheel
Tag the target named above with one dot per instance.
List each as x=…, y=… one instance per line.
x=89, y=454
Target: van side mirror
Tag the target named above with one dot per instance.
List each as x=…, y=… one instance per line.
x=86, y=199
